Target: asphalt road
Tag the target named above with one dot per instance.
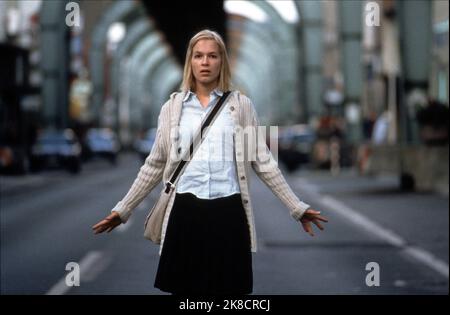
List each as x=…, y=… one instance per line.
x=46, y=222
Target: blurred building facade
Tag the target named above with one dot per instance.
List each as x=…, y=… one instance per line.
x=365, y=68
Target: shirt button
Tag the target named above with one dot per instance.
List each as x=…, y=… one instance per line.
x=231, y=108
x=242, y=177
x=245, y=201
x=179, y=150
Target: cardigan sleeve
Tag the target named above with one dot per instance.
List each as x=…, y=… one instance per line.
x=266, y=167
x=150, y=173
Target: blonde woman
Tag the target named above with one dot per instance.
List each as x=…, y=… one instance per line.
x=208, y=233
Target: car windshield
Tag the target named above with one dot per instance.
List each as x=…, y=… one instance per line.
x=95, y=135
x=54, y=140
x=100, y=140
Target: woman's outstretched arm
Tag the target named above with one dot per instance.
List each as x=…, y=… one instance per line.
x=268, y=171
x=150, y=174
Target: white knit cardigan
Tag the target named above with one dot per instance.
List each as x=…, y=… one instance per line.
x=162, y=161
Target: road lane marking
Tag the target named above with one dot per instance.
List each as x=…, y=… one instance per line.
x=92, y=264
x=427, y=258
x=419, y=254
x=361, y=220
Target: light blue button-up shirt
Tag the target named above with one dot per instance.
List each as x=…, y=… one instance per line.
x=211, y=173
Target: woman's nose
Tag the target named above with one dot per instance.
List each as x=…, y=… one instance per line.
x=205, y=60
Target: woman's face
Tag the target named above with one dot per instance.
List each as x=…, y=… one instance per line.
x=206, y=62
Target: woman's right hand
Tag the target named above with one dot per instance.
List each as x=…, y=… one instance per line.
x=108, y=223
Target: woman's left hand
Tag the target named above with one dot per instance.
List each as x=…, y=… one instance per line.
x=313, y=216
x=107, y=224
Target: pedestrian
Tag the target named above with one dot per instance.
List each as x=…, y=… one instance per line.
x=208, y=234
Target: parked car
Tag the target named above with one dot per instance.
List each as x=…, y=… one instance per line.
x=102, y=143
x=296, y=145
x=144, y=145
x=56, y=149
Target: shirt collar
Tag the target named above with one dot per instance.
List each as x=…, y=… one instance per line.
x=216, y=91
x=188, y=94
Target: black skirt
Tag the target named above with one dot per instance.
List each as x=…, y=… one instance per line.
x=207, y=247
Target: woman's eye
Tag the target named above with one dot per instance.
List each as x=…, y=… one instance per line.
x=210, y=56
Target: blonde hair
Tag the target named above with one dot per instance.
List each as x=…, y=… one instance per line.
x=225, y=72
